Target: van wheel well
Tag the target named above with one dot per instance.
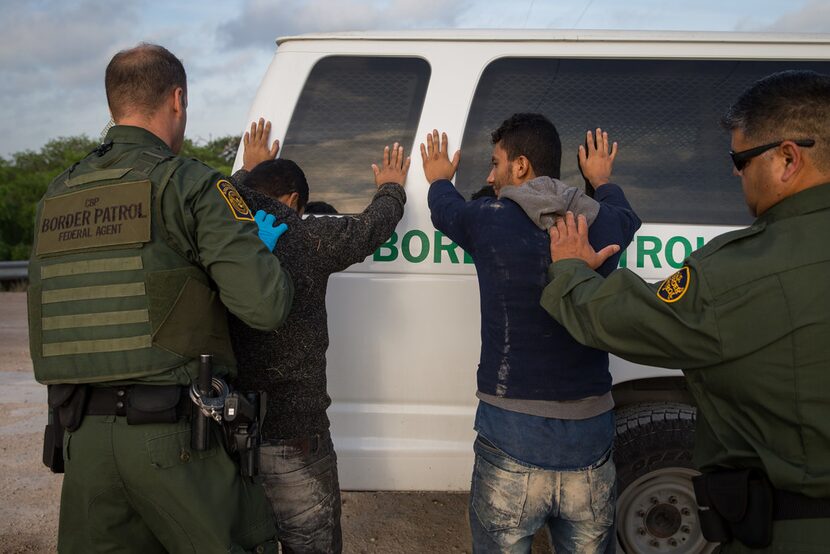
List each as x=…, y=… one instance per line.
x=656, y=389
x=656, y=508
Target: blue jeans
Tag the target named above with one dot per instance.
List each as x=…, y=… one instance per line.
x=300, y=479
x=511, y=500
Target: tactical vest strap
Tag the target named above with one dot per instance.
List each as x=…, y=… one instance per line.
x=94, y=320
x=91, y=266
x=100, y=175
x=148, y=161
x=168, y=174
x=120, y=290
x=121, y=344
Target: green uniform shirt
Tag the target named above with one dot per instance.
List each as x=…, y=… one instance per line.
x=748, y=321
x=199, y=237
x=203, y=224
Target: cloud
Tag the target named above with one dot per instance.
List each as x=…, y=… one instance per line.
x=54, y=35
x=261, y=21
x=813, y=17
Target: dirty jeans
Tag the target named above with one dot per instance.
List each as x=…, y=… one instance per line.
x=300, y=479
x=511, y=500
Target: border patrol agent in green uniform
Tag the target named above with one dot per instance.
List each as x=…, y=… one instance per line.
x=748, y=320
x=137, y=255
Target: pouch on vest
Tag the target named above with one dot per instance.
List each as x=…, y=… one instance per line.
x=153, y=404
x=740, y=505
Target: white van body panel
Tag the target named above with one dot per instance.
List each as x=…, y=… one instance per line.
x=405, y=336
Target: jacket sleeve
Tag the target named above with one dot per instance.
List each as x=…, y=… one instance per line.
x=450, y=213
x=341, y=241
x=615, y=223
x=220, y=235
x=624, y=315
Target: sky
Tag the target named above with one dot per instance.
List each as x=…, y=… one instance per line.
x=53, y=52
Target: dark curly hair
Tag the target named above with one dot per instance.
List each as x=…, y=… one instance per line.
x=533, y=136
x=278, y=177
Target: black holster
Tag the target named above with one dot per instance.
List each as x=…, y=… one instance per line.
x=735, y=504
x=242, y=421
x=67, y=403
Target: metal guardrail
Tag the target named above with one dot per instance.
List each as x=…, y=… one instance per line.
x=14, y=271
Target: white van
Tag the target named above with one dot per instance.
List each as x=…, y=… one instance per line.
x=404, y=324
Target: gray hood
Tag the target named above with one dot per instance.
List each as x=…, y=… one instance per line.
x=545, y=199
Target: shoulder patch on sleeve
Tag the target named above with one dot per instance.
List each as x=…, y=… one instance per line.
x=239, y=208
x=673, y=288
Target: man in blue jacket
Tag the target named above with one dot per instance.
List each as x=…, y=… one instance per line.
x=545, y=419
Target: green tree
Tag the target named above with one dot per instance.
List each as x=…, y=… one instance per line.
x=25, y=177
x=23, y=180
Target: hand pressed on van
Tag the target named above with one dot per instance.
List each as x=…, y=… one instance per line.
x=394, y=167
x=255, y=142
x=437, y=164
x=597, y=160
x=569, y=239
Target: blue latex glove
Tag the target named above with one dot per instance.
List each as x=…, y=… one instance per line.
x=268, y=232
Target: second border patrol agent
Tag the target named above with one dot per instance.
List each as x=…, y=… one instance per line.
x=748, y=320
x=137, y=255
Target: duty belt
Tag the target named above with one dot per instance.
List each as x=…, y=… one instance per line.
x=742, y=504
x=140, y=403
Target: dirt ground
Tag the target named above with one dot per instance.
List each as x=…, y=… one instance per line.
x=373, y=522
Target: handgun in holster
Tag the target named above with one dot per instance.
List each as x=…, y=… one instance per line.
x=243, y=416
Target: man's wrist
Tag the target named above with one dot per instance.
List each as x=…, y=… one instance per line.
x=558, y=266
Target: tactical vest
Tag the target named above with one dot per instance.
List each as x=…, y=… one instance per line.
x=111, y=297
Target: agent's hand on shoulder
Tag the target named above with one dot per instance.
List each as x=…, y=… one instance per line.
x=569, y=239
x=269, y=232
x=437, y=164
x=596, y=161
x=255, y=144
x=393, y=168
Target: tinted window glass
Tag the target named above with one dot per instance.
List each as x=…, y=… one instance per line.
x=349, y=109
x=673, y=161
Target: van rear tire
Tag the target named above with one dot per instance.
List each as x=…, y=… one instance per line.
x=656, y=508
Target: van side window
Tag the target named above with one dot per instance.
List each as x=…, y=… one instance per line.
x=673, y=161
x=349, y=109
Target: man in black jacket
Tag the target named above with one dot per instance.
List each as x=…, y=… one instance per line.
x=298, y=461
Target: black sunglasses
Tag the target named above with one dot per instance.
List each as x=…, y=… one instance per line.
x=740, y=159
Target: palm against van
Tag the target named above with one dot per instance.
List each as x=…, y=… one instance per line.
x=597, y=160
x=394, y=167
x=256, y=145
x=437, y=164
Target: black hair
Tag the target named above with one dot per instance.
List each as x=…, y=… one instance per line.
x=278, y=177
x=319, y=207
x=138, y=79
x=533, y=136
x=788, y=105
x=487, y=191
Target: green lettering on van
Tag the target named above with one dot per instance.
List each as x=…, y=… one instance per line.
x=415, y=248
x=389, y=245
x=406, y=246
x=687, y=249
x=441, y=247
x=389, y=250
x=642, y=251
